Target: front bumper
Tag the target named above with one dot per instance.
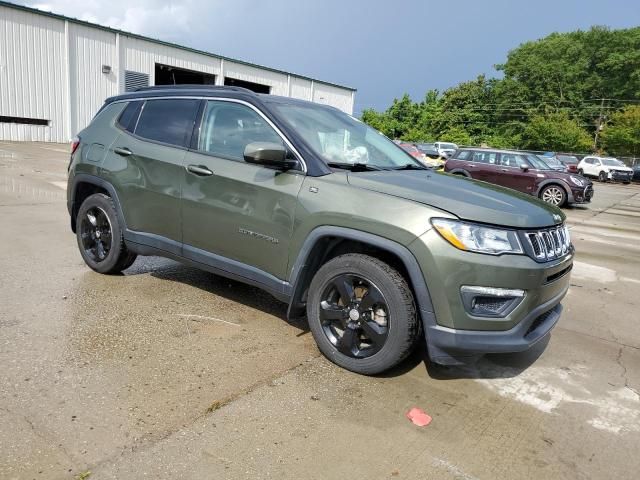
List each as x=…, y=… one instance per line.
x=581, y=195
x=620, y=176
x=452, y=333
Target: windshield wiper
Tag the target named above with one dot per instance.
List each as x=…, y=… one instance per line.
x=411, y=166
x=355, y=167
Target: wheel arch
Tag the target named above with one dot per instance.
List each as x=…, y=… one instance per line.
x=554, y=181
x=84, y=185
x=460, y=171
x=327, y=242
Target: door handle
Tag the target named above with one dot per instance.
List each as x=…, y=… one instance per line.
x=471, y=165
x=122, y=151
x=504, y=170
x=199, y=170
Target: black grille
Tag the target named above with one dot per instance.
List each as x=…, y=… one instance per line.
x=538, y=321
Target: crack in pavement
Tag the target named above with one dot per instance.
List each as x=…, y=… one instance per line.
x=42, y=436
x=624, y=372
x=614, y=341
x=216, y=405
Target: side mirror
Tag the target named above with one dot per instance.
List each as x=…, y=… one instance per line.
x=524, y=168
x=270, y=155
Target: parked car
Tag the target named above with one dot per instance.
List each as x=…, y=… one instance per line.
x=445, y=149
x=569, y=161
x=326, y=214
x=411, y=149
x=524, y=172
x=431, y=156
x=636, y=172
x=428, y=150
x=553, y=162
x=604, y=169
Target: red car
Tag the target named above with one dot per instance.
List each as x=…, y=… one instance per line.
x=411, y=150
x=521, y=171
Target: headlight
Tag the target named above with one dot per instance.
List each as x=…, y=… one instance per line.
x=577, y=181
x=477, y=238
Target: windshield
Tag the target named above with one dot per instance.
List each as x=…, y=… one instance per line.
x=612, y=162
x=551, y=161
x=537, y=163
x=338, y=138
x=448, y=146
x=567, y=158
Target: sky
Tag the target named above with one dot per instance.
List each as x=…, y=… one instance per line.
x=382, y=48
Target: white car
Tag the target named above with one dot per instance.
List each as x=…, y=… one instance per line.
x=445, y=149
x=605, y=168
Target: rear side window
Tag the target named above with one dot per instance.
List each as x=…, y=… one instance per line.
x=484, y=157
x=463, y=155
x=129, y=116
x=168, y=121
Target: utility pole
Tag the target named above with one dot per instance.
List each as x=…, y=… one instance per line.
x=598, y=126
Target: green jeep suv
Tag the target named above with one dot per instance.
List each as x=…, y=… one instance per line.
x=326, y=214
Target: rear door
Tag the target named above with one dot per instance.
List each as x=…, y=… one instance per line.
x=511, y=174
x=483, y=166
x=240, y=211
x=147, y=165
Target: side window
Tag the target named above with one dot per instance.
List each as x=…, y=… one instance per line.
x=588, y=160
x=463, y=155
x=510, y=160
x=129, y=116
x=484, y=157
x=168, y=121
x=227, y=128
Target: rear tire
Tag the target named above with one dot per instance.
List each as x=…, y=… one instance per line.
x=100, y=237
x=368, y=326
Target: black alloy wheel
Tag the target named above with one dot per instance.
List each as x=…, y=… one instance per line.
x=99, y=236
x=95, y=231
x=354, y=316
x=362, y=313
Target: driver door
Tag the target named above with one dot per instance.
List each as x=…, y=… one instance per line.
x=233, y=209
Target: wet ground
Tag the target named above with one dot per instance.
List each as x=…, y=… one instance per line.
x=169, y=372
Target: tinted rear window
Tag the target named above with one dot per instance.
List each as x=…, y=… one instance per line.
x=168, y=121
x=129, y=116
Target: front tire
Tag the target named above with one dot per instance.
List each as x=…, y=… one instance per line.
x=99, y=236
x=362, y=314
x=602, y=176
x=554, y=195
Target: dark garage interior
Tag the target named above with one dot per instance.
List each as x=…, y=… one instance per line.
x=256, y=87
x=168, y=75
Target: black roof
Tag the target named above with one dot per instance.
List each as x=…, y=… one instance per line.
x=209, y=91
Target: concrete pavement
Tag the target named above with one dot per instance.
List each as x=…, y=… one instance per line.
x=169, y=372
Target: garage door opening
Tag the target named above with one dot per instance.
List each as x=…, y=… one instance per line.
x=168, y=75
x=256, y=87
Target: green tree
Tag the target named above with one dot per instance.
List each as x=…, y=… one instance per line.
x=621, y=136
x=555, y=131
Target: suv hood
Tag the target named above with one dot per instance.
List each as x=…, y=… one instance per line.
x=465, y=198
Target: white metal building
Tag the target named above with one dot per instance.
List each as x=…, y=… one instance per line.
x=55, y=72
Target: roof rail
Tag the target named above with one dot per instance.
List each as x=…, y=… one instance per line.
x=194, y=86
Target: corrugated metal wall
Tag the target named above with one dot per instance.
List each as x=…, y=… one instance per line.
x=33, y=76
x=51, y=69
x=89, y=50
